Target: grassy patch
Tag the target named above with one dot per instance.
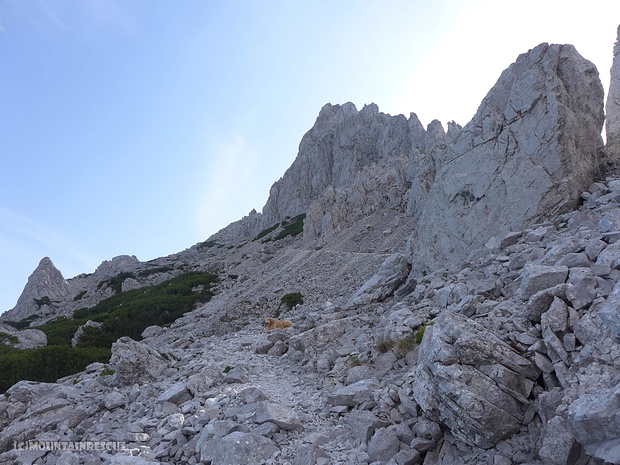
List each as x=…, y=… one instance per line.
x=354, y=362
x=405, y=345
x=385, y=345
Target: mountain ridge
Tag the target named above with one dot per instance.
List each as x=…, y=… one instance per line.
x=415, y=343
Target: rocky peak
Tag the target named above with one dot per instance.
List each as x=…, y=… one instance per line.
x=341, y=143
x=533, y=146
x=45, y=287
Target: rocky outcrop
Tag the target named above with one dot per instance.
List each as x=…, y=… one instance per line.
x=472, y=381
x=22, y=339
x=612, y=108
x=45, y=289
x=136, y=363
x=531, y=149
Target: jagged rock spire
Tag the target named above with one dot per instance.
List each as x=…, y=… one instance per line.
x=46, y=285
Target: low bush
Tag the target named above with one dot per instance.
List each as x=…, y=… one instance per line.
x=292, y=299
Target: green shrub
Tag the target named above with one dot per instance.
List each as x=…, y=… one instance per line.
x=354, y=362
x=228, y=368
x=292, y=299
x=420, y=333
x=107, y=372
x=264, y=232
x=22, y=324
x=292, y=228
x=46, y=364
x=151, y=271
x=79, y=296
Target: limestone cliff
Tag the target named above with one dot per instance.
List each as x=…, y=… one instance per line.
x=533, y=146
x=612, y=107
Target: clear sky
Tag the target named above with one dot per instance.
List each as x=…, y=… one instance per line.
x=141, y=127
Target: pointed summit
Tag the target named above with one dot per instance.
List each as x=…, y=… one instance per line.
x=45, y=286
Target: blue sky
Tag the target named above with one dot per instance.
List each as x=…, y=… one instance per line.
x=141, y=127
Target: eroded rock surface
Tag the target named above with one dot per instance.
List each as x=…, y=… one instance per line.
x=531, y=149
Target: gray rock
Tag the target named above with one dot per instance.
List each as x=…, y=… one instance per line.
x=556, y=318
x=282, y=416
x=114, y=399
x=472, y=381
x=537, y=278
x=353, y=394
x=363, y=424
x=239, y=448
x=152, y=331
x=612, y=108
x=176, y=394
x=136, y=362
x=595, y=420
x=236, y=375
x=308, y=455
x=393, y=273
x=407, y=457
x=558, y=445
x=209, y=438
x=540, y=302
x=594, y=248
x=516, y=162
x=608, y=316
x=383, y=445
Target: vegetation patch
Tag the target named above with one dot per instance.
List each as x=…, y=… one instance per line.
x=124, y=314
x=405, y=345
x=292, y=227
x=79, y=296
x=6, y=338
x=46, y=364
x=264, y=232
x=107, y=372
x=207, y=244
x=385, y=345
x=354, y=361
x=45, y=300
x=23, y=324
x=152, y=271
x=292, y=299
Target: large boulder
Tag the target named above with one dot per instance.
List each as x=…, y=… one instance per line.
x=531, y=149
x=136, y=362
x=472, y=381
x=393, y=273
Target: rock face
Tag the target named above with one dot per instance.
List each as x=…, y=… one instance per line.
x=531, y=149
x=341, y=142
x=612, y=108
x=46, y=287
